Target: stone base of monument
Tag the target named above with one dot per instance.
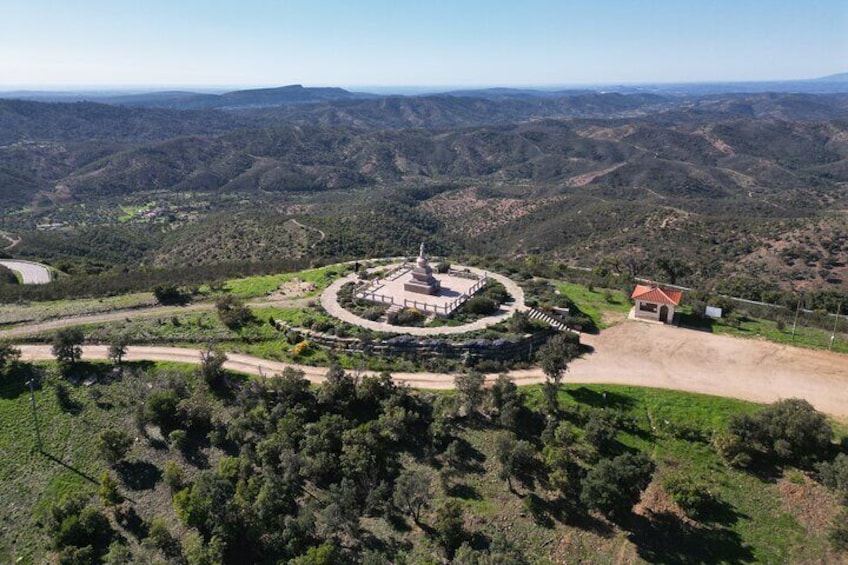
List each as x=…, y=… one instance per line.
x=431, y=289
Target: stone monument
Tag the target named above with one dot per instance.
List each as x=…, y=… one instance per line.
x=423, y=281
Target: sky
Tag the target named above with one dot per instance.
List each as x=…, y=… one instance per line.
x=358, y=43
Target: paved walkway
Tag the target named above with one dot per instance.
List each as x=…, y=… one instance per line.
x=330, y=302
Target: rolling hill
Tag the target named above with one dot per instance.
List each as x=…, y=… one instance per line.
x=719, y=180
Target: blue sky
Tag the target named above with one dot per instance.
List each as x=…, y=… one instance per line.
x=414, y=43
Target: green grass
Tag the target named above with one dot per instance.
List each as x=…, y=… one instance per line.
x=39, y=311
x=31, y=481
x=592, y=302
x=261, y=285
x=810, y=337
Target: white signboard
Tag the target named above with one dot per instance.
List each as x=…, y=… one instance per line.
x=712, y=312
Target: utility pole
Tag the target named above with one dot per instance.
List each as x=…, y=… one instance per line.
x=34, y=414
x=836, y=321
x=795, y=323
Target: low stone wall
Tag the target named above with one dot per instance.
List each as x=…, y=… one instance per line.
x=412, y=346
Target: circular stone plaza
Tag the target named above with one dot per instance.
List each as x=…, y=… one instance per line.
x=417, y=286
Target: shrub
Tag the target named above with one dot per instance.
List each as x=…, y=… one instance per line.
x=791, y=431
x=321, y=326
x=406, y=317
x=373, y=313
x=834, y=475
x=300, y=348
x=449, y=526
x=88, y=528
x=173, y=476
x=179, y=439
x=108, y=492
x=67, y=345
x=600, y=432
x=113, y=445
x=169, y=294
x=212, y=367
x=233, y=313
x=161, y=409
x=162, y=538
x=838, y=533
x=480, y=306
x=613, y=486
x=692, y=495
x=731, y=448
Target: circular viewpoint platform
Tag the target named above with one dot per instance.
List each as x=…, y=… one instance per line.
x=330, y=303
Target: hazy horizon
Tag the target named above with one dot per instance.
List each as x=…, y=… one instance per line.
x=374, y=88
x=99, y=44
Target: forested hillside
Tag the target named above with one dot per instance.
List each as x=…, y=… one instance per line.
x=729, y=184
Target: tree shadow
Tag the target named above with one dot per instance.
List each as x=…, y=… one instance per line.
x=158, y=444
x=471, y=459
x=139, y=475
x=765, y=469
x=540, y=510
x=387, y=546
x=463, y=491
x=693, y=322
x=479, y=541
x=603, y=399
x=397, y=522
x=17, y=379
x=193, y=451
x=127, y=517
x=567, y=512
x=664, y=538
x=718, y=511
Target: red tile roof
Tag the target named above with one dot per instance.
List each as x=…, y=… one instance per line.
x=657, y=295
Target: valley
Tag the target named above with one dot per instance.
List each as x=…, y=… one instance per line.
x=204, y=380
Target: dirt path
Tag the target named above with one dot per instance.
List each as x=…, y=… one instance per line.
x=323, y=235
x=144, y=312
x=12, y=241
x=631, y=353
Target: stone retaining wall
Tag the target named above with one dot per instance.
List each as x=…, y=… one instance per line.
x=408, y=345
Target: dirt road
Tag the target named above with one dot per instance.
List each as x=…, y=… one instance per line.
x=631, y=353
x=144, y=312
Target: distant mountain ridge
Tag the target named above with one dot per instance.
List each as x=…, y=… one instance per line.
x=189, y=100
x=296, y=94
x=239, y=99
x=838, y=77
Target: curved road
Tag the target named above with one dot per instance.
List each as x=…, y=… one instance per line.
x=631, y=353
x=31, y=273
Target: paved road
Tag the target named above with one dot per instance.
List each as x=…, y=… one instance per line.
x=32, y=273
x=329, y=300
x=631, y=353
